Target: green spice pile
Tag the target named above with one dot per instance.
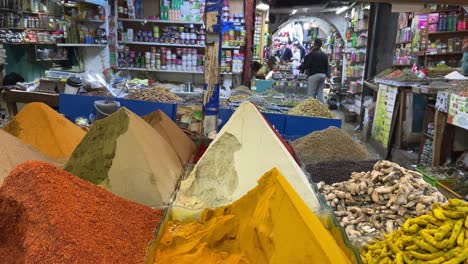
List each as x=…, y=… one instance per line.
x=384, y=73
x=311, y=107
x=407, y=76
x=331, y=144
x=93, y=166
x=154, y=94
x=126, y=156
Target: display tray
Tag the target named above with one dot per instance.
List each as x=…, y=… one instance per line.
x=397, y=83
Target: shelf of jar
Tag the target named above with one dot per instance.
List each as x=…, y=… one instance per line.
x=231, y=47
x=155, y=70
x=90, y=20
x=28, y=12
x=161, y=44
x=444, y=54
x=54, y=59
x=27, y=28
x=28, y=43
x=448, y=32
x=158, y=21
x=81, y=45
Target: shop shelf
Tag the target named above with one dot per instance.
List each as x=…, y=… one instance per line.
x=80, y=45
x=448, y=32
x=153, y=70
x=28, y=12
x=159, y=21
x=31, y=29
x=444, y=54
x=402, y=65
x=405, y=42
x=53, y=59
x=231, y=47
x=161, y=44
x=91, y=20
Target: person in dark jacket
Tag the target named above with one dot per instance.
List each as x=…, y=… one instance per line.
x=288, y=54
x=302, y=49
x=316, y=67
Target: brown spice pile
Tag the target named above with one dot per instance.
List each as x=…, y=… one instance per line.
x=331, y=144
x=14, y=152
x=50, y=216
x=311, y=107
x=154, y=94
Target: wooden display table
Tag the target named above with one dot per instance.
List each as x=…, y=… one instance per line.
x=12, y=97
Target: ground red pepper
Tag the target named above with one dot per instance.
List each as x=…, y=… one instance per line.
x=50, y=216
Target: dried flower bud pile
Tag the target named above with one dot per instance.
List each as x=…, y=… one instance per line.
x=154, y=94
x=311, y=107
x=377, y=202
x=441, y=236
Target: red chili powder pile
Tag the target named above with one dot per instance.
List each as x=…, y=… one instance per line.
x=50, y=216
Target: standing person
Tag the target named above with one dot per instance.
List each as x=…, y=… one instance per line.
x=316, y=67
x=302, y=50
x=296, y=60
x=287, y=54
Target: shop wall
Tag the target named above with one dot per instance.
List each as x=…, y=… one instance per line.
x=19, y=61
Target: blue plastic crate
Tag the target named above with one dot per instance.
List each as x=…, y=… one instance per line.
x=277, y=120
x=224, y=115
x=73, y=106
x=299, y=126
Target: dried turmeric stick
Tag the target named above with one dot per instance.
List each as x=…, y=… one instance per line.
x=461, y=237
x=412, y=247
x=457, y=203
x=466, y=222
x=399, y=258
x=432, y=241
x=392, y=246
x=443, y=231
x=429, y=256
x=426, y=246
x=454, y=214
x=414, y=229
x=455, y=232
x=439, y=214
x=460, y=257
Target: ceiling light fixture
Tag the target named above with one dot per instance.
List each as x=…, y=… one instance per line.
x=341, y=9
x=294, y=12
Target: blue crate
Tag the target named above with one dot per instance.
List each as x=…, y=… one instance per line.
x=224, y=115
x=277, y=120
x=299, y=126
x=73, y=106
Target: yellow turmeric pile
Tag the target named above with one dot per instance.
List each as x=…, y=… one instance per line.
x=270, y=224
x=46, y=130
x=441, y=236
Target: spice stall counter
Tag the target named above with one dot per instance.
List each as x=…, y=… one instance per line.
x=13, y=97
x=73, y=106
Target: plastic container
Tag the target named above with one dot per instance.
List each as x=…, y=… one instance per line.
x=73, y=85
x=105, y=108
